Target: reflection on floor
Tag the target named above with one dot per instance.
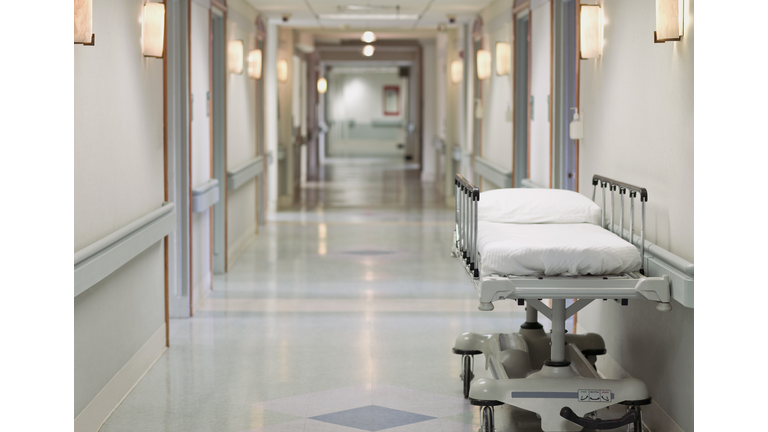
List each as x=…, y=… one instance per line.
x=339, y=317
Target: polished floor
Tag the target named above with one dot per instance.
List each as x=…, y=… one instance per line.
x=340, y=316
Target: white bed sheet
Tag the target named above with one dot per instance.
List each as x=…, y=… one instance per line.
x=552, y=250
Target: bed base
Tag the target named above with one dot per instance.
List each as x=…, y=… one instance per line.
x=552, y=374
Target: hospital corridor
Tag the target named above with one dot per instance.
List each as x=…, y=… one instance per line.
x=426, y=216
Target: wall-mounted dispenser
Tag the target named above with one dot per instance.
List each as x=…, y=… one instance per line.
x=576, y=131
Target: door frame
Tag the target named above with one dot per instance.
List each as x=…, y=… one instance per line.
x=522, y=12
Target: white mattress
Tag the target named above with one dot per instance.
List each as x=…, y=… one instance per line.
x=553, y=249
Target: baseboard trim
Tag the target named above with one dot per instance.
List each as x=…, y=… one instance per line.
x=120, y=386
x=239, y=245
x=655, y=419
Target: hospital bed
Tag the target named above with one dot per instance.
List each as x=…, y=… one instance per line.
x=540, y=246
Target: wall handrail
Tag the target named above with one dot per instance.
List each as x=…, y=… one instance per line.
x=528, y=183
x=495, y=173
x=244, y=173
x=101, y=258
x=439, y=144
x=205, y=195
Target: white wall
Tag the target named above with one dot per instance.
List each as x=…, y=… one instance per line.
x=429, y=109
x=201, y=148
x=357, y=96
x=637, y=105
x=541, y=75
x=269, y=74
x=241, y=131
x=118, y=178
x=497, y=90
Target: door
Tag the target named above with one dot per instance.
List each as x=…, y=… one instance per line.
x=218, y=91
x=521, y=97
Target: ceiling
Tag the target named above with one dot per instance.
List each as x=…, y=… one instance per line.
x=392, y=17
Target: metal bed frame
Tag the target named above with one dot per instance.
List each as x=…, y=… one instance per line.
x=525, y=363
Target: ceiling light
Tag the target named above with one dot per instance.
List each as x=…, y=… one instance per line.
x=84, y=22
x=483, y=64
x=669, y=21
x=153, y=31
x=591, y=31
x=368, y=37
x=254, y=64
x=457, y=71
x=503, y=58
x=282, y=70
x=235, y=61
x=368, y=50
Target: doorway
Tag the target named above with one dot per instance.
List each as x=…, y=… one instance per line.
x=218, y=91
x=522, y=95
x=565, y=59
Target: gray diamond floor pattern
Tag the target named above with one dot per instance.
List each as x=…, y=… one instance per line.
x=372, y=418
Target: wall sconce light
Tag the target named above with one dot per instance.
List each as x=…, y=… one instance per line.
x=235, y=56
x=153, y=32
x=322, y=85
x=669, y=21
x=591, y=23
x=503, y=58
x=84, y=22
x=483, y=64
x=457, y=71
x=282, y=70
x=368, y=50
x=254, y=64
x=368, y=37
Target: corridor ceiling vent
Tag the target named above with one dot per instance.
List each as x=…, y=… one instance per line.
x=483, y=64
x=282, y=70
x=153, y=30
x=591, y=31
x=254, y=64
x=84, y=22
x=669, y=21
x=235, y=56
x=457, y=71
x=322, y=85
x=368, y=37
x=368, y=50
x=503, y=58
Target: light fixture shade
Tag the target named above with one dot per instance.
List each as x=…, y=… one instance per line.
x=457, y=71
x=368, y=37
x=153, y=31
x=591, y=31
x=368, y=50
x=235, y=56
x=322, y=85
x=83, y=21
x=503, y=58
x=483, y=64
x=254, y=64
x=669, y=20
x=282, y=70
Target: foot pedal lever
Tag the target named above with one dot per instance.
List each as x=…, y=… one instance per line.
x=632, y=416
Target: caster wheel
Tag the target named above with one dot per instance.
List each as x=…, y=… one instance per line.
x=467, y=376
x=487, y=414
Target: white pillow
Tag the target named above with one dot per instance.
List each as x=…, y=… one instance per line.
x=531, y=206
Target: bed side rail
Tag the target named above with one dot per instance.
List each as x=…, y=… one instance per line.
x=467, y=197
x=633, y=192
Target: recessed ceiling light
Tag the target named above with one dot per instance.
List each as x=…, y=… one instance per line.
x=368, y=50
x=368, y=37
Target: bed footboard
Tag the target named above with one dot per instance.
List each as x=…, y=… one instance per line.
x=465, y=238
